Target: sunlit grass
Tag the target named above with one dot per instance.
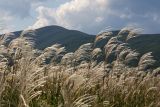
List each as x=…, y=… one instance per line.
x=115, y=76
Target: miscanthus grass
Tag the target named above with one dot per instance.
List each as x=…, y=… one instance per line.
x=113, y=76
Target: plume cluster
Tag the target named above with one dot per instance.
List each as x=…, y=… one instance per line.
x=113, y=76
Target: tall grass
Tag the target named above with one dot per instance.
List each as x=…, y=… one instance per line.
x=54, y=78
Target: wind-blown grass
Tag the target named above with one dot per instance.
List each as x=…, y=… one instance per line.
x=84, y=78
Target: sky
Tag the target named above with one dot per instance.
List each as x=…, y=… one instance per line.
x=89, y=16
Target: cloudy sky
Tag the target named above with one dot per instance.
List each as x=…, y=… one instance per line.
x=90, y=16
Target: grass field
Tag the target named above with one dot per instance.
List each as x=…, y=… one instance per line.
x=115, y=76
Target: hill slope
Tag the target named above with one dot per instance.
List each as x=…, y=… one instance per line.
x=72, y=39
x=147, y=43
x=50, y=35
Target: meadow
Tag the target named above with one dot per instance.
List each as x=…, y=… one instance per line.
x=112, y=76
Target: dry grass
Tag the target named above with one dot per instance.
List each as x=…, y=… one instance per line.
x=77, y=80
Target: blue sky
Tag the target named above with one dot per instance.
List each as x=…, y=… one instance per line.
x=90, y=16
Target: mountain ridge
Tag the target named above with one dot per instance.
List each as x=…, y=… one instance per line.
x=49, y=35
x=72, y=39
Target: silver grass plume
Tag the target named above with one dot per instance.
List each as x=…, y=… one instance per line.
x=69, y=88
x=146, y=61
x=84, y=52
x=3, y=63
x=113, y=40
x=29, y=79
x=16, y=43
x=28, y=35
x=53, y=53
x=6, y=62
x=132, y=58
x=57, y=48
x=84, y=101
x=68, y=58
x=156, y=72
x=25, y=40
x=134, y=33
x=129, y=32
x=125, y=30
x=2, y=84
x=110, y=48
x=20, y=46
x=121, y=47
x=3, y=49
x=7, y=38
x=122, y=55
x=107, y=29
x=23, y=45
x=96, y=53
x=104, y=35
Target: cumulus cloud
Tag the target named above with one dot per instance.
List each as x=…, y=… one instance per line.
x=11, y=10
x=75, y=14
x=92, y=16
x=44, y=18
x=20, y=8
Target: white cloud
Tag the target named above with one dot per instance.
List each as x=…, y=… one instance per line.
x=75, y=14
x=87, y=15
x=45, y=17
x=18, y=8
x=11, y=10
x=92, y=16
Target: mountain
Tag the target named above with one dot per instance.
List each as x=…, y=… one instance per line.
x=50, y=35
x=72, y=39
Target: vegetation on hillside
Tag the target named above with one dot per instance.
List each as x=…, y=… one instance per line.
x=115, y=76
x=50, y=35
